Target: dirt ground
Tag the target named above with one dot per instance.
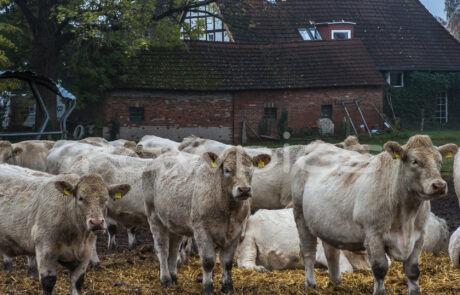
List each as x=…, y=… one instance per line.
x=137, y=272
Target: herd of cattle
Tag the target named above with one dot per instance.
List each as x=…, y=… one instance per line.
x=335, y=206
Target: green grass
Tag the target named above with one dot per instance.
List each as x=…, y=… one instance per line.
x=376, y=142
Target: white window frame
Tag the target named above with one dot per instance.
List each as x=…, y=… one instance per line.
x=442, y=102
x=340, y=31
x=388, y=78
x=304, y=34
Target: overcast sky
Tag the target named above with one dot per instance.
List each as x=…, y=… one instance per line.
x=436, y=7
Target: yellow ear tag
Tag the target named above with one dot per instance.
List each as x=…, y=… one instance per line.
x=66, y=192
x=397, y=155
x=449, y=155
x=118, y=195
x=261, y=164
x=213, y=164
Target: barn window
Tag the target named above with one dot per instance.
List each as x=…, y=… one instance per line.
x=326, y=111
x=136, y=114
x=441, y=108
x=395, y=79
x=270, y=113
x=341, y=34
x=309, y=34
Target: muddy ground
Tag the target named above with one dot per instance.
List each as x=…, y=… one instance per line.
x=136, y=272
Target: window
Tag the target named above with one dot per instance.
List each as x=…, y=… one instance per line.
x=441, y=108
x=309, y=34
x=212, y=27
x=270, y=113
x=326, y=111
x=340, y=34
x=395, y=79
x=270, y=1
x=136, y=114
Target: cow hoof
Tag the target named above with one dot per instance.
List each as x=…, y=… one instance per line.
x=414, y=292
x=166, y=282
x=32, y=272
x=113, y=249
x=227, y=287
x=8, y=265
x=310, y=285
x=173, y=279
x=261, y=269
x=132, y=247
x=94, y=264
x=208, y=289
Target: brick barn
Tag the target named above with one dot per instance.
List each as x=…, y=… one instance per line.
x=271, y=62
x=208, y=89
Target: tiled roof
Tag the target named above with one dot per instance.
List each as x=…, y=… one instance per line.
x=238, y=66
x=398, y=34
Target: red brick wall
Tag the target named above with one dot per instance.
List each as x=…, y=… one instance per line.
x=304, y=106
x=326, y=30
x=172, y=114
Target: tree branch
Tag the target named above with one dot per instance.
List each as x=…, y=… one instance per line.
x=182, y=8
x=30, y=18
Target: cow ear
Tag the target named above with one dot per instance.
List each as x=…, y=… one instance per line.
x=365, y=149
x=64, y=187
x=394, y=149
x=117, y=191
x=340, y=145
x=17, y=151
x=261, y=160
x=448, y=150
x=211, y=159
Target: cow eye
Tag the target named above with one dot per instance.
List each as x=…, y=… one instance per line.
x=414, y=162
x=80, y=199
x=227, y=171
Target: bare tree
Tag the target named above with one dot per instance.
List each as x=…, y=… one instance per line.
x=453, y=17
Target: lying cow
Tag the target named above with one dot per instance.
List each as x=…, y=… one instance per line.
x=53, y=217
x=436, y=235
x=378, y=203
x=271, y=242
x=200, y=196
x=454, y=248
x=351, y=143
x=33, y=154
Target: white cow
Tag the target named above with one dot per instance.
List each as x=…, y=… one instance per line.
x=152, y=141
x=437, y=233
x=378, y=203
x=272, y=243
x=454, y=248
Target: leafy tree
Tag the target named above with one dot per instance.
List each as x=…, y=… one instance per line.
x=62, y=38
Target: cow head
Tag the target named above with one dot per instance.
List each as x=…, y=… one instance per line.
x=421, y=165
x=236, y=167
x=351, y=143
x=7, y=151
x=91, y=196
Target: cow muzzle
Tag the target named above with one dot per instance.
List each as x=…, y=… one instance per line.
x=439, y=187
x=97, y=226
x=242, y=192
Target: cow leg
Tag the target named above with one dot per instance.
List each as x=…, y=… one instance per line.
x=207, y=257
x=378, y=260
x=247, y=255
x=112, y=230
x=226, y=259
x=161, y=240
x=333, y=262
x=94, y=260
x=46, y=269
x=308, y=243
x=32, y=266
x=77, y=277
x=7, y=263
x=174, y=245
x=132, y=242
x=411, y=268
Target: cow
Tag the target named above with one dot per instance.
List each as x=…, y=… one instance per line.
x=33, y=155
x=7, y=151
x=454, y=248
x=436, y=235
x=351, y=143
x=55, y=217
x=271, y=242
x=124, y=143
x=201, y=196
x=377, y=203
x=457, y=177
x=152, y=141
x=96, y=141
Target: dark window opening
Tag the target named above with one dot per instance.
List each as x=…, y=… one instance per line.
x=395, y=79
x=326, y=111
x=136, y=114
x=270, y=113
